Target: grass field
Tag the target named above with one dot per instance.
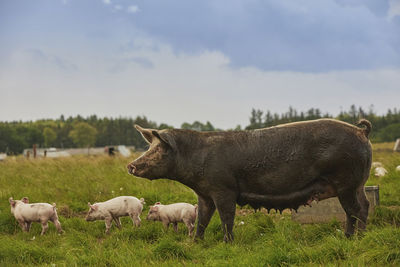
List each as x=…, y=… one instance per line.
x=261, y=240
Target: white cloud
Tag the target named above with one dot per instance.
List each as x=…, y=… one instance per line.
x=394, y=8
x=182, y=87
x=132, y=9
x=107, y=2
x=117, y=7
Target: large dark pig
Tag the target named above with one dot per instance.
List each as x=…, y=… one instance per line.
x=278, y=167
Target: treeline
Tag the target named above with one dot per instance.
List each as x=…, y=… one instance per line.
x=386, y=128
x=93, y=131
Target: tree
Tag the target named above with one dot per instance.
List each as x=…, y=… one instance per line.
x=49, y=136
x=83, y=135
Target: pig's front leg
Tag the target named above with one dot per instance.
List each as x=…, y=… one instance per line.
x=175, y=227
x=166, y=224
x=22, y=224
x=206, y=210
x=226, y=206
x=108, y=222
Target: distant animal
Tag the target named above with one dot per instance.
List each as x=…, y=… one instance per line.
x=26, y=213
x=380, y=172
x=277, y=167
x=174, y=213
x=111, y=210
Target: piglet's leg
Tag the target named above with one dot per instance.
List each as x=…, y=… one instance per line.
x=175, y=227
x=117, y=222
x=23, y=225
x=166, y=225
x=57, y=224
x=135, y=219
x=28, y=226
x=45, y=226
x=189, y=225
x=108, y=222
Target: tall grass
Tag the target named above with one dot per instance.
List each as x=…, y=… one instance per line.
x=260, y=239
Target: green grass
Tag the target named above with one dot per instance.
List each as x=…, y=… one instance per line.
x=261, y=240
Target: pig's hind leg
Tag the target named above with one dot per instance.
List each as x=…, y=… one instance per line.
x=28, y=226
x=57, y=224
x=135, y=219
x=190, y=225
x=117, y=222
x=45, y=226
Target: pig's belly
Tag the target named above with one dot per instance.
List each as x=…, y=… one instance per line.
x=276, y=182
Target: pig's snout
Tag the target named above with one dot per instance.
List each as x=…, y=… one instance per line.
x=131, y=168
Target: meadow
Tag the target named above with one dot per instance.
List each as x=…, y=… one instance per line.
x=260, y=239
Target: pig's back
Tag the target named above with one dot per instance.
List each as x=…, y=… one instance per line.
x=37, y=211
x=123, y=205
x=180, y=210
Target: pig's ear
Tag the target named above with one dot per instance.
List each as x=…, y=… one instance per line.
x=12, y=201
x=25, y=200
x=153, y=208
x=146, y=133
x=166, y=138
x=90, y=205
x=94, y=207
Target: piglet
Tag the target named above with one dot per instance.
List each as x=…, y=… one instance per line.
x=174, y=213
x=26, y=213
x=114, y=208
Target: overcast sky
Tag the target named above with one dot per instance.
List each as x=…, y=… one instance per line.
x=181, y=61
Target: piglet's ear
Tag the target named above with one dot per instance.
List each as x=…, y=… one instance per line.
x=90, y=205
x=25, y=200
x=12, y=201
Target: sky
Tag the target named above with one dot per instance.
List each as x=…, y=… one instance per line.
x=210, y=60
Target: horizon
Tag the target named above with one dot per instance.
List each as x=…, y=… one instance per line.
x=323, y=113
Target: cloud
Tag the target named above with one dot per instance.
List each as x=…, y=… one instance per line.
x=132, y=9
x=107, y=2
x=177, y=87
x=309, y=36
x=394, y=8
x=39, y=57
x=117, y=7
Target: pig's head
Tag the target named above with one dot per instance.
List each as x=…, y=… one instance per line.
x=93, y=213
x=153, y=214
x=159, y=160
x=14, y=203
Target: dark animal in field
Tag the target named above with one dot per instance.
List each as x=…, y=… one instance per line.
x=278, y=167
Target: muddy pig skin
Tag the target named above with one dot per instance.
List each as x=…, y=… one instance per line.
x=26, y=213
x=174, y=213
x=280, y=167
x=111, y=210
